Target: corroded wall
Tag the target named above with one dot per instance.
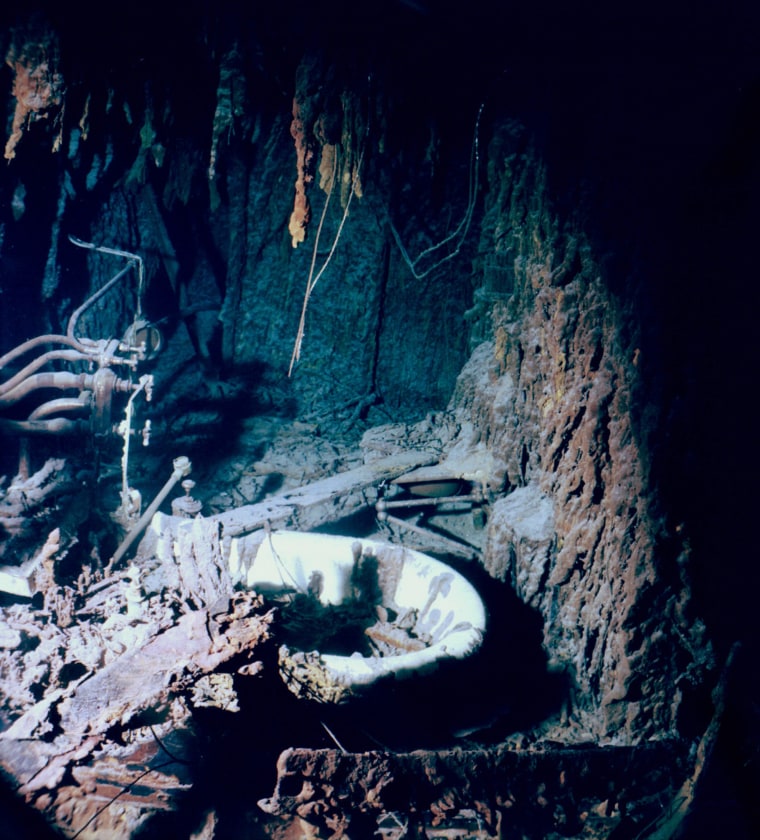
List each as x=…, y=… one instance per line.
x=575, y=525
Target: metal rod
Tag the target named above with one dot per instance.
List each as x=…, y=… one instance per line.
x=427, y=500
x=182, y=468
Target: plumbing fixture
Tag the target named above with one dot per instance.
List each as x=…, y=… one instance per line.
x=89, y=390
x=423, y=612
x=186, y=506
x=182, y=467
x=133, y=593
x=144, y=336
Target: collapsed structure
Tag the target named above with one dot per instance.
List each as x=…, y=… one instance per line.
x=473, y=378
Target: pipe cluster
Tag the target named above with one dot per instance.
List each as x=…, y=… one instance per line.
x=78, y=399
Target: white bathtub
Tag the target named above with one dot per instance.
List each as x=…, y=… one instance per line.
x=427, y=612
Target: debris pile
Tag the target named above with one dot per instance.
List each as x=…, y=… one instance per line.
x=93, y=678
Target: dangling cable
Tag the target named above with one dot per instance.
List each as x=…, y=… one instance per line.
x=311, y=283
x=302, y=323
x=312, y=280
x=462, y=229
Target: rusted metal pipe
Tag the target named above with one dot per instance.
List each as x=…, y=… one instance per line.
x=134, y=260
x=427, y=501
x=62, y=380
x=92, y=299
x=62, y=404
x=30, y=344
x=53, y=426
x=40, y=361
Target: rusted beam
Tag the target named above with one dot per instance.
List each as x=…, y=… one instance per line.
x=554, y=787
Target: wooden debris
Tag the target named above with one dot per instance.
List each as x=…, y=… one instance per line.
x=203, y=575
x=328, y=500
x=77, y=721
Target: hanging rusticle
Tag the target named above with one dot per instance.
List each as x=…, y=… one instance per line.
x=38, y=85
x=301, y=214
x=230, y=111
x=320, y=123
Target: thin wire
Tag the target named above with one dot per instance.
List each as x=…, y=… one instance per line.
x=163, y=746
x=302, y=323
x=462, y=229
x=312, y=283
x=124, y=790
x=281, y=567
x=332, y=735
